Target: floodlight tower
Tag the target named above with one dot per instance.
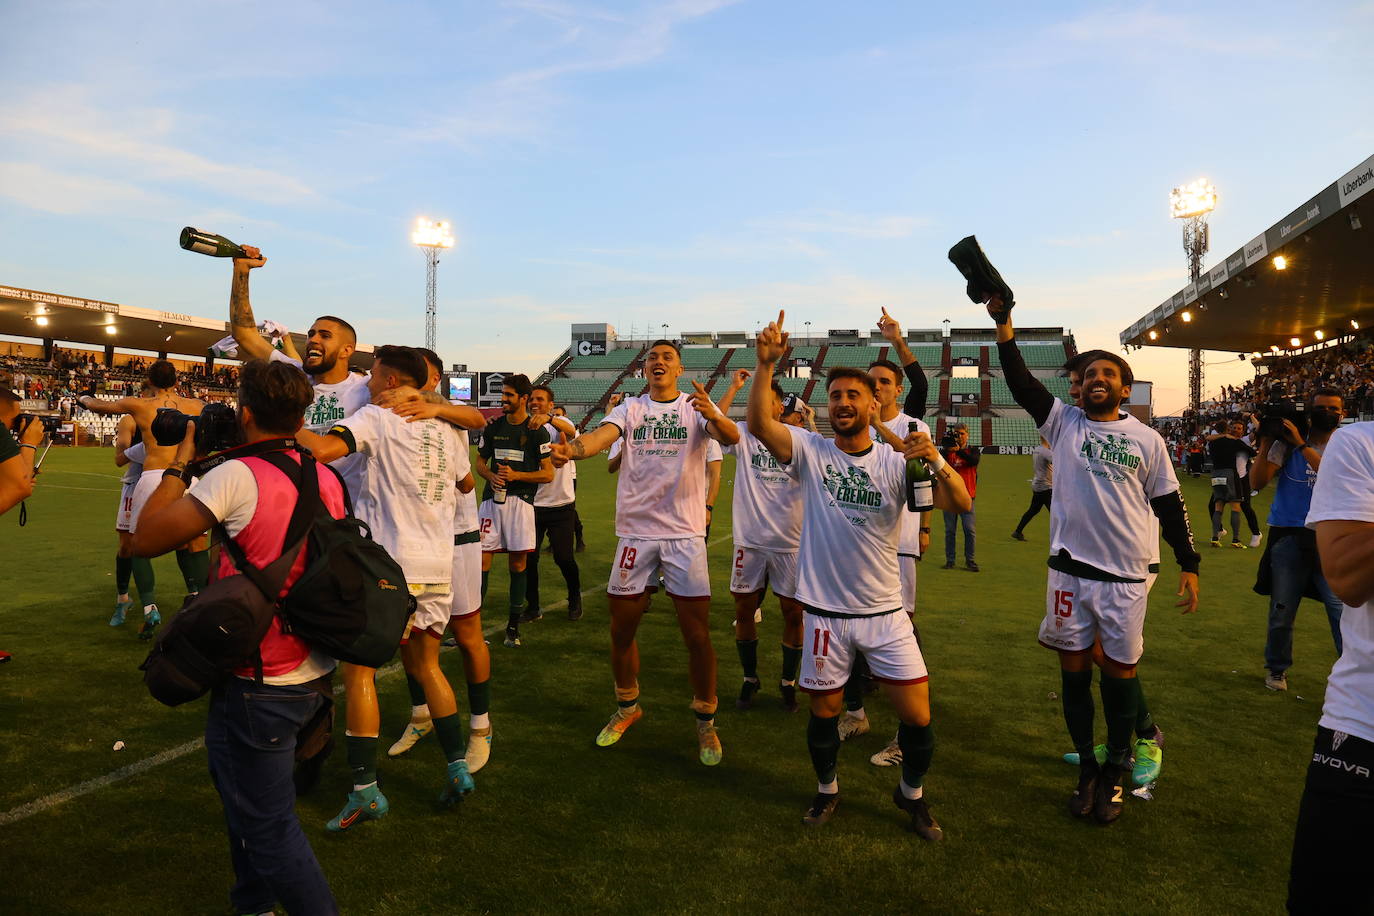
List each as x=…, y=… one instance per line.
x=1191, y=203
x=431, y=237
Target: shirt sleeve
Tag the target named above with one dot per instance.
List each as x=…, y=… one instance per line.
x=713, y=451
x=539, y=447
x=277, y=356
x=619, y=415
x=230, y=493
x=801, y=442
x=1054, y=423
x=8, y=447
x=1345, y=485
x=1278, y=453
x=1160, y=479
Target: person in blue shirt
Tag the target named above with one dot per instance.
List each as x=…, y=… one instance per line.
x=1291, y=558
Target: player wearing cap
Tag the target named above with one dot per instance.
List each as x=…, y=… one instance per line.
x=660, y=520
x=853, y=493
x=1113, y=476
x=767, y=520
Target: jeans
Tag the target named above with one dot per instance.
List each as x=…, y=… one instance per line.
x=251, y=739
x=1294, y=564
x=952, y=519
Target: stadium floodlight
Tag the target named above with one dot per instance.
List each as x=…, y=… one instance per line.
x=1154, y=335
x=1295, y=341
x=1280, y=262
x=1354, y=324
x=109, y=329
x=1274, y=348
x=1186, y=316
x=41, y=321
x=1256, y=355
x=431, y=237
x=1193, y=199
x=1320, y=335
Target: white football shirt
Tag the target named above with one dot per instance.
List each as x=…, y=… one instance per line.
x=410, y=500
x=333, y=403
x=661, y=491
x=1106, y=473
x=1345, y=492
x=899, y=426
x=465, y=513
x=852, y=504
x=559, y=491
x=767, y=506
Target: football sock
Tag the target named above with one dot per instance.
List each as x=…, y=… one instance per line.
x=195, y=568
x=1119, y=707
x=828, y=788
x=362, y=759
x=1216, y=524
x=918, y=746
x=1077, y=698
x=909, y=791
x=417, y=691
x=486, y=575
x=124, y=568
x=791, y=663
x=823, y=741
x=704, y=716
x=1144, y=722
x=449, y=729
x=479, y=699
x=1235, y=526
x=854, y=694
x=144, y=580
x=748, y=650
x=517, y=596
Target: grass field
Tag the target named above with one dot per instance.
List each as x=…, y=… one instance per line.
x=558, y=825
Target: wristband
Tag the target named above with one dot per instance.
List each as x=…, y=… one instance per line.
x=710, y=508
x=181, y=474
x=1301, y=446
x=925, y=531
x=938, y=464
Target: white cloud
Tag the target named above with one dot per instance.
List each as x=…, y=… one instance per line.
x=833, y=222
x=1147, y=30
x=41, y=188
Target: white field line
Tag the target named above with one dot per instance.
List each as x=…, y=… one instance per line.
x=181, y=750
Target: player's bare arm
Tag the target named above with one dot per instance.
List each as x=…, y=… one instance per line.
x=736, y=385
x=16, y=473
x=327, y=448
x=423, y=405
x=718, y=425
x=950, y=493
x=586, y=445
x=288, y=347
x=1347, y=555
x=170, y=518
x=242, y=325
x=543, y=475
x=892, y=333
x=467, y=484
x=770, y=345
x=124, y=437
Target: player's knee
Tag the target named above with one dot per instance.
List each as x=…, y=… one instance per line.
x=518, y=562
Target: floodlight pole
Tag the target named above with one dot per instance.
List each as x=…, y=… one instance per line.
x=431, y=294
x=1195, y=245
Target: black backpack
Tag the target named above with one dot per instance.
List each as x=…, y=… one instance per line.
x=352, y=600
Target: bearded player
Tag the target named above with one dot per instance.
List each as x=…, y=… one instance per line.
x=853, y=494
x=1113, y=477
x=660, y=520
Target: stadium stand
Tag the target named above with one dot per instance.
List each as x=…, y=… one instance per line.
x=858, y=357
x=1019, y=431
x=965, y=386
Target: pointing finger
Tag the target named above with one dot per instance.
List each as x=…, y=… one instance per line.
x=781, y=313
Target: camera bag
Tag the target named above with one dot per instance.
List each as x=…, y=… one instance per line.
x=351, y=601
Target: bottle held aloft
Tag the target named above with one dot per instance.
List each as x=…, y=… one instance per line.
x=207, y=243
x=920, y=491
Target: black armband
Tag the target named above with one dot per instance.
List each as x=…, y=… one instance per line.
x=346, y=434
x=1173, y=524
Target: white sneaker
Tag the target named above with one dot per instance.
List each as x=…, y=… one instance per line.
x=851, y=726
x=479, y=748
x=889, y=756
x=1255, y=539
x=415, y=730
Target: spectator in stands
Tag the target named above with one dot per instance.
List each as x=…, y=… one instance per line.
x=964, y=460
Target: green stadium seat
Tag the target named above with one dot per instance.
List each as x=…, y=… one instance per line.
x=701, y=357
x=616, y=359
x=858, y=357
x=965, y=386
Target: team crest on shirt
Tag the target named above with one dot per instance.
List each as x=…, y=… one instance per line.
x=324, y=411
x=820, y=665
x=1107, y=454
x=658, y=427
x=852, y=489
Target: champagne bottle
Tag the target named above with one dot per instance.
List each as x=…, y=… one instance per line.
x=919, y=484
x=216, y=246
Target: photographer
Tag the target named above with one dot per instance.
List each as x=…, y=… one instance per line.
x=1290, y=570
x=252, y=729
x=16, y=468
x=954, y=449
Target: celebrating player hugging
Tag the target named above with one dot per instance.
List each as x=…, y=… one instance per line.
x=847, y=580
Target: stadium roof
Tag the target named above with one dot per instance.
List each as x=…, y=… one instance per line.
x=1247, y=303
x=84, y=321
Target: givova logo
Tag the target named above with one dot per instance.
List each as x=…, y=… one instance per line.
x=853, y=488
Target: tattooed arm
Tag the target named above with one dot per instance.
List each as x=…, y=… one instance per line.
x=242, y=324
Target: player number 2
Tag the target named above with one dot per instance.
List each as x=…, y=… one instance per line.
x=627, y=558
x=739, y=559
x=1063, y=603
x=820, y=642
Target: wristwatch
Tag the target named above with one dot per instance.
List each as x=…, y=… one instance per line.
x=925, y=531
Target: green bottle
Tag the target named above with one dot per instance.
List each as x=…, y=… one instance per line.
x=216, y=246
x=920, y=495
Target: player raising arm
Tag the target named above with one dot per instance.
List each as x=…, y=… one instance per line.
x=1112, y=475
x=660, y=521
x=847, y=577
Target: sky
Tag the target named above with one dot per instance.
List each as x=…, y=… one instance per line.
x=694, y=163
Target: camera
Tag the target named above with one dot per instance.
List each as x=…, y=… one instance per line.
x=1278, y=408
x=949, y=441
x=50, y=422
x=217, y=428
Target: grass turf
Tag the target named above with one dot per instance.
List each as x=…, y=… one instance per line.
x=558, y=825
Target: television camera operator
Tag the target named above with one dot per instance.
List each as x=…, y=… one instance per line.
x=954, y=448
x=1290, y=453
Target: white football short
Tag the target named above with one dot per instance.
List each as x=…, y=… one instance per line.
x=1078, y=611
x=906, y=566
x=432, y=605
x=125, y=514
x=148, y=481
x=829, y=645
x=467, y=578
x=506, y=527
x=755, y=567
x=683, y=561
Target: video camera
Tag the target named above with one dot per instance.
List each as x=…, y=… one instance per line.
x=1278, y=408
x=217, y=428
x=949, y=441
x=51, y=423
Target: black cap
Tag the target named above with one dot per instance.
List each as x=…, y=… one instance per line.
x=791, y=404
